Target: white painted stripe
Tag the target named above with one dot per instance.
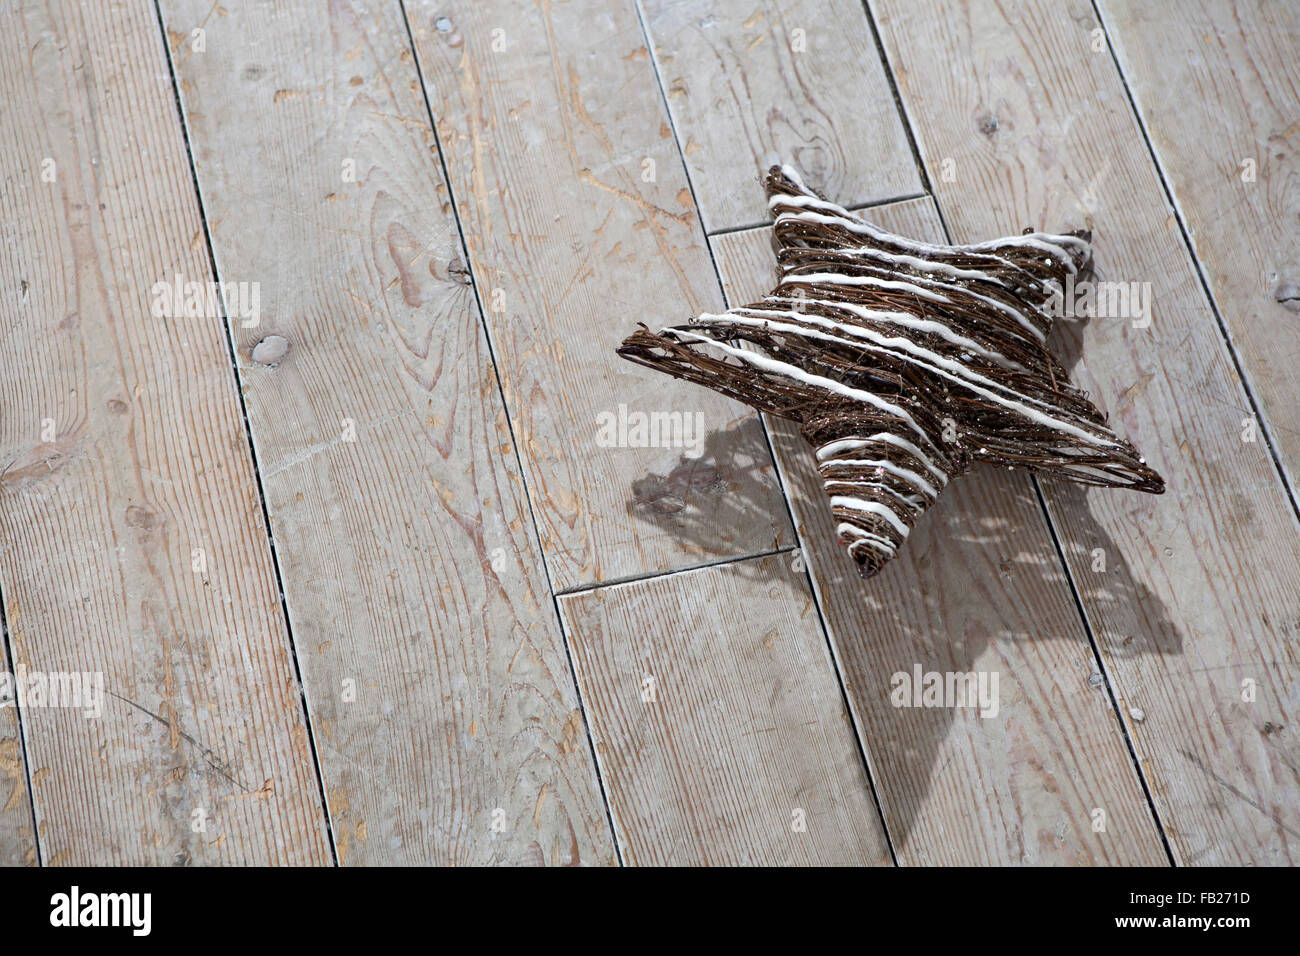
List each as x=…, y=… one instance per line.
x=833, y=448
x=920, y=325
x=915, y=502
x=871, y=507
x=799, y=375
x=961, y=375
x=906, y=445
x=851, y=444
x=835, y=278
x=1050, y=243
x=864, y=536
x=911, y=477
x=923, y=265
x=792, y=174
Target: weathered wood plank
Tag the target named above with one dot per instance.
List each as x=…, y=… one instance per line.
x=435, y=671
x=134, y=545
x=1194, y=596
x=1218, y=87
x=719, y=722
x=580, y=224
x=979, y=589
x=753, y=82
x=17, y=840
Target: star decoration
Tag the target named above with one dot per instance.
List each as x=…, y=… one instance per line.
x=903, y=362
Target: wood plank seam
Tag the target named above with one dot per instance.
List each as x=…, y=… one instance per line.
x=858, y=208
x=782, y=484
x=906, y=117
x=514, y=441
x=887, y=201
x=648, y=575
x=1019, y=615
x=582, y=704
x=786, y=483
x=1256, y=410
x=780, y=470
x=6, y=661
x=738, y=81
x=248, y=434
x=1174, y=831
x=833, y=649
x=584, y=202
x=102, y=576
x=440, y=787
x=632, y=579
x=1038, y=491
x=1102, y=668
x=709, y=797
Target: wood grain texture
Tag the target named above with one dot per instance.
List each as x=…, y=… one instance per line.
x=1197, y=606
x=719, y=722
x=1218, y=85
x=580, y=224
x=17, y=839
x=445, y=711
x=979, y=588
x=134, y=544
x=751, y=83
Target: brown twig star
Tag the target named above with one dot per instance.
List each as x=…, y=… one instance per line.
x=903, y=362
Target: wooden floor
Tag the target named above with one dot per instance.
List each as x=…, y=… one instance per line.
x=364, y=583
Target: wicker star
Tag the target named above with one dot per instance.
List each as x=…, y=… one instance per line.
x=903, y=362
